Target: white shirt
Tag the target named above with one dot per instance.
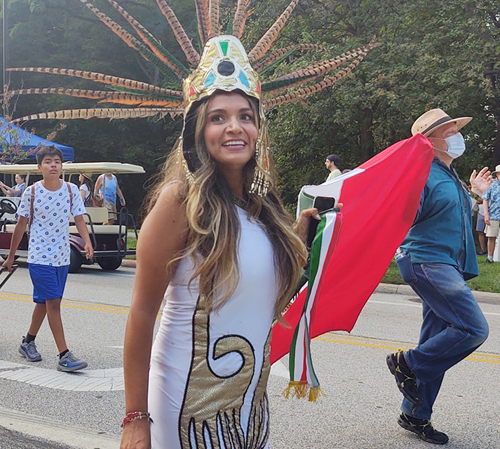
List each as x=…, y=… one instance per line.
x=49, y=232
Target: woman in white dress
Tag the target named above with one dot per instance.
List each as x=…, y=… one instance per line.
x=219, y=246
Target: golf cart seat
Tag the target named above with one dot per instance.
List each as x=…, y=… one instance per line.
x=98, y=216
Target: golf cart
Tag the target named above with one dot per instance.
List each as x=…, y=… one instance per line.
x=109, y=240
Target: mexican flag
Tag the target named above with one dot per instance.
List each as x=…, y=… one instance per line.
x=351, y=251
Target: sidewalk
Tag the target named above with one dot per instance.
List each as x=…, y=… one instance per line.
x=60, y=434
x=485, y=297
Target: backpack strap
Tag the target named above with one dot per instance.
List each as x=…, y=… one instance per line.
x=32, y=204
x=70, y=196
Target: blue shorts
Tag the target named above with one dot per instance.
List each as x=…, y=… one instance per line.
x=48, y=281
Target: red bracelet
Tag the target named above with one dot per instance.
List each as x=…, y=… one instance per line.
x=132, y=416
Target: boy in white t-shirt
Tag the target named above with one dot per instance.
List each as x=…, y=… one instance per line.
x=49, y=251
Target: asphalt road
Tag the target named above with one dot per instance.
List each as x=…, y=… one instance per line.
x=359, y=411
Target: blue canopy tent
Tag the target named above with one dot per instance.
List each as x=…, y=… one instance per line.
x=11, y=134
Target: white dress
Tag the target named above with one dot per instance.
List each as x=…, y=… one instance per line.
x=209, y=373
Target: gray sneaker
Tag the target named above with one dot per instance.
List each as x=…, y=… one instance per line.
x=29, y=351
x=69, y=363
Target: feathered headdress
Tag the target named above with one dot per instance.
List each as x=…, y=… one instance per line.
x=224, y=65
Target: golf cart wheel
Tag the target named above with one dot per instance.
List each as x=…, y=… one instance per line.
x=75, y=260
x=109, y=263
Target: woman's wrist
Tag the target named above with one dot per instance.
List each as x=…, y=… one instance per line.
x=133, y=416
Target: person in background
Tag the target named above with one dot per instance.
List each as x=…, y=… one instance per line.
x=436, y=258
x=332, y=163
x=47, y=206
x=107, y=187
x=491, y=209
x=86, y=189
x=480, y=227
x=16, y=190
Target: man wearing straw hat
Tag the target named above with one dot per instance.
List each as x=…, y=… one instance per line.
x=491, y=207
x=435, y=259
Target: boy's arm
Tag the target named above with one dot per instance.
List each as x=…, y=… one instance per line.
x=84, y=233
x=14, y=243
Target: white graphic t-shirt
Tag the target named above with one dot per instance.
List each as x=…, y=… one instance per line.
x=49, y=233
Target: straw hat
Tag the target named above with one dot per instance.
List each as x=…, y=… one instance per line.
x=434, y=119
x=497, y=169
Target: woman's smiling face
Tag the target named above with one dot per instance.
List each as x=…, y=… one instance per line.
x=230, y=131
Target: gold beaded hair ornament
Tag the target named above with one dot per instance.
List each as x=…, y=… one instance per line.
x=223, y=65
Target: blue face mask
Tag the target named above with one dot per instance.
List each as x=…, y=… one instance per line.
x=456, y=145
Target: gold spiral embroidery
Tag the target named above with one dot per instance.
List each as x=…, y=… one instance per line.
x=212, y=404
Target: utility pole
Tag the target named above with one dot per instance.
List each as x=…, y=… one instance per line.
x=4, y=49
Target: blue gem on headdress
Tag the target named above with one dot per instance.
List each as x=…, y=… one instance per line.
x=226, y=68
x=209, y=80
x=244, y=79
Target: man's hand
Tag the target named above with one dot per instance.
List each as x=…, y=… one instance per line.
x=481, y=181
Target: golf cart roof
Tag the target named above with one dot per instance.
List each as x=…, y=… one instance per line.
x=70, y=168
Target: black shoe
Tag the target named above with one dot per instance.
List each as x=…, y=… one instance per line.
x=482, y=253
x=423, y=428
x=488, y=261
x=405, y=379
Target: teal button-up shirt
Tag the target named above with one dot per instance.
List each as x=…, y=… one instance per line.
x=442, y=230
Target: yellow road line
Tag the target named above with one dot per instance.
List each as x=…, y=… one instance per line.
x=121, y=310
x=394, y=346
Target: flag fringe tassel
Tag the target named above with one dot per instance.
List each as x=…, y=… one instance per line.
x=301, y=390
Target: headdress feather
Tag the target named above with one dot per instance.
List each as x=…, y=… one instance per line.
x=104, y=96
x=214, y=10
x=108, y=113
x=270, y=36
x=126, y=37
x=101, y=78
x=309, y=90
x=204, y=25
x=327, y=66
x=162, y=53
x=283, y=52
x=183, y=40
x=240, y=18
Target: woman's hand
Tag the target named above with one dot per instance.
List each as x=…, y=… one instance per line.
x=301, y=228
x=481, y=181
x=136, y=435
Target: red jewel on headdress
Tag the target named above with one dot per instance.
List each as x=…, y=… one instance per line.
x=191, y=91
x=258, y=88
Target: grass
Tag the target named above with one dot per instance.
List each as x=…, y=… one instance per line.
x=487, y=281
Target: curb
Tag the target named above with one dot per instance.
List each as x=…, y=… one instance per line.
x=483, y=297
x=131, y=263
x=55, y=431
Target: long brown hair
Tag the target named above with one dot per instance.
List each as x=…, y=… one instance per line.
x=214, y=227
